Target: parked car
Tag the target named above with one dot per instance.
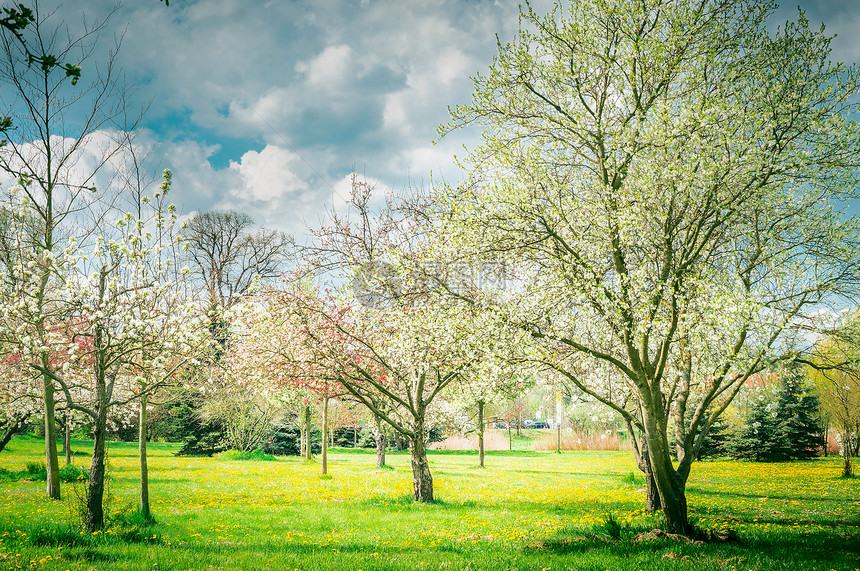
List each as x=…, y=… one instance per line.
x=537, y=424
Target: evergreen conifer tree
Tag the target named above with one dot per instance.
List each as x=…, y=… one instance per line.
x=788, y=428
x=716, y=440
x=800, y=427
x=758, y=440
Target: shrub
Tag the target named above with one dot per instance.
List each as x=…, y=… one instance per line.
x=205, y=441
x=72, y=473
x=174, y=420
x=367, y=439
x=285, y=438
x=346, y=436
x=716, y=440
x=36, y=471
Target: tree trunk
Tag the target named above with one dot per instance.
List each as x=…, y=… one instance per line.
x=96, y=488
x=52, y=461
x=381, y=441
x=13, y=430
x=67, y=440
x=308, y=447
x=144, y=469
x=558, y=439
x=422, y=481
x=510, y=438
x=846, y=446
x=302, y=437
x=325, y=436
x=669, y=483
x=643, y=461
x=481, y=433
x=847, y=468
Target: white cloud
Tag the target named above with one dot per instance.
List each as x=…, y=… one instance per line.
x=344, y=85
x=342, y=193
x=196, y=183
x=452, y=65
x=268, y=175
x=97, y=161
x=330, y=69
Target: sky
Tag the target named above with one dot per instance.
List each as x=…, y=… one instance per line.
x=268, y=106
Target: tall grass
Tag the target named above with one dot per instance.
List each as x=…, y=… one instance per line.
x=540, y=440
x=580, y=441
x=492, y=441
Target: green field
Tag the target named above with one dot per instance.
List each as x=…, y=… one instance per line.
x=526, y=510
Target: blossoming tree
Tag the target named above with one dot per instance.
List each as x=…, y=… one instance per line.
x=380, y=332
x=129, y=331
x=662, y=174
x=51, y=164
x=279, y=352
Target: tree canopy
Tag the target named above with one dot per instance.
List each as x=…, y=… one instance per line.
x=665, y=178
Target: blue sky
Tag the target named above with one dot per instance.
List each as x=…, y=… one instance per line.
x=268, y=106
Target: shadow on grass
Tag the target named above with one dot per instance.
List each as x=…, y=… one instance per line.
x=225, y=548
x=791, y=522
x=797, y=498
x=167, y=481
x=431, y=452
x=406, y=502
x=89, y=555
x=812, y=550
x=606, y=476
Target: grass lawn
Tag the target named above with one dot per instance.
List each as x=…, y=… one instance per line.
x=526, y=510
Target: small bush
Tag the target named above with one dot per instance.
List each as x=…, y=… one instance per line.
x=132, y=516
x=346, y=436
x=77, y=504
x=130, y=526
x=72, y=473
x=367, y=439
x=284, y=441
x=206, y=444
x=35, y=471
